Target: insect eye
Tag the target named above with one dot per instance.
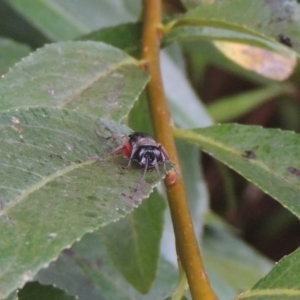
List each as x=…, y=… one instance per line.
x=158, y=154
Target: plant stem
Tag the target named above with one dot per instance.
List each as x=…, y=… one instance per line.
x=186, y=243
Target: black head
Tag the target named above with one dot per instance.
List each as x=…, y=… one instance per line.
x=149, y=156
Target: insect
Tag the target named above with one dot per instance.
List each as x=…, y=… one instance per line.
x=143, y=149
x=285, y=40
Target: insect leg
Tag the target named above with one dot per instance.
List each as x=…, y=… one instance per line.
x=128, y=164
x=145, y=170
x=113, y=152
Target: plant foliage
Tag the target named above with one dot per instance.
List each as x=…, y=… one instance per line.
x=73, y=222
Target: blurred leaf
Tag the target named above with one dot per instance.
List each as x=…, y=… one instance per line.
x=204, y=29
x=194, y=3
x=198, y=65
x=171, y=298
x=54, y=189
x=264, y=62
x=225, y=21
x=289, y=112
x=231, y=259
x=187, y=109
x=91, y=76
x=52, y=19
x=281, y=283
x=115, y=36
x=86, y=270
x=190, y=159
x=36, y=291
x=139, y=118
x=10, y=53
x=63, y=19
x=278, y=223
x=221, y=288
x=133, y=242
x=271, y=19
x=231, y=264
x=228, y=108
x=270, y=158
x=14, y=26
x=181, y=287
x=13, y=296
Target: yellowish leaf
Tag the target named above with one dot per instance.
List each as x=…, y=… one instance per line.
x=276, y=66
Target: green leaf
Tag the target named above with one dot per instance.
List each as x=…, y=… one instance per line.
x=221, y=288
x=36, y=291
x=13, y=296
x=63, y=20
x=194, y=3
x=115, y=36
x=133, y=242
x=281, y=283
x=270, y=158
x=139, y=118
x=211, y=56
x=231, y=264
x=13, y=25
x=231, y=259
x=190, y=112
x=197, y=193
x=10, y=53
x=86, y=271
x=90, y=76
x=171, y=298
x=204, y=30
x=225, y=21
x=51, y=19
x=232, y=107
x=54, y=189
